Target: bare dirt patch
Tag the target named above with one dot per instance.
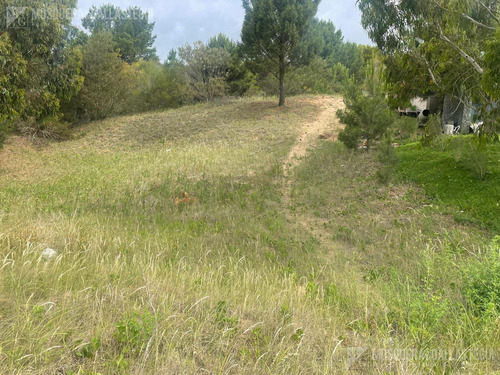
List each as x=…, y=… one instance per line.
x=325, y=127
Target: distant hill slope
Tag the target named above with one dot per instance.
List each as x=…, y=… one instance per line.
x=245, y=132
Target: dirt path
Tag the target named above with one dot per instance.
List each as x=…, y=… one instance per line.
x=326, y=124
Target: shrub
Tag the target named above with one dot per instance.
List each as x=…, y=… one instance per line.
x=90, y=349
x=388, y=158
x=432, y=129
x=482, y=281
x=49, y=128
x=317, y=78
x=314, y=78
x=133, y=332
x=366, y=117
x=406, y=128
x=222, y=316
x=206, y=70
x=3, y=132
x=156, y=87
x=106, y=85
x=471, y=152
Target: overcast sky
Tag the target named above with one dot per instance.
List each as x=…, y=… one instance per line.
x=185, y=21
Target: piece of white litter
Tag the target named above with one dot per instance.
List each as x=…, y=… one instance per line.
x=49, y=253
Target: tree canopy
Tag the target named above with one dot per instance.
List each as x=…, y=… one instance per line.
x=435, y=45
x=274, y=30
x=52, y=64
x=206, y=69
x=131, y=30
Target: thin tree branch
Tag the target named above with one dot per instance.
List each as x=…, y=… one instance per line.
x=492, y=14
x=462, y=53
x=267, y=53
x=475, y=22
x=480, y=24
x=434, y=79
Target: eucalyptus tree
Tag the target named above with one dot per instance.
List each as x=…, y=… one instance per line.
x=436, y=45
x=206, y=69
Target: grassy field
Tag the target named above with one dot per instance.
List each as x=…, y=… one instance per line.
x=237, y=279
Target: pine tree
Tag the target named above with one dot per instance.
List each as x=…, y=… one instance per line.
x=366, y=114
x=274, y=30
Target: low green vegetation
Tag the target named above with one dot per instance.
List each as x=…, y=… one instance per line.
x=366, y=115
x=463, y=180
x=405, y=273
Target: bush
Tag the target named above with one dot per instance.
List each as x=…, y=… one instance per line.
x=50, y=128
x=366, y=116
x=206, y=69
x=406, y=128
x=471, y=152
x=388, y=158
x=106, y=85
x=3, y=132
x=482, y=281
x=134, y=331
x=315, y=78
x=432, y=129
x=155, y=87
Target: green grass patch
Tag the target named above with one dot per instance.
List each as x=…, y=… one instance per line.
x=447, y=176
x=429, y=282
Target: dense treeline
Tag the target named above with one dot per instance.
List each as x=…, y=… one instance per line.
x=54, y=75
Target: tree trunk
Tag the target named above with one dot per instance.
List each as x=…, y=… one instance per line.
x=282, y=81
x=467, y=116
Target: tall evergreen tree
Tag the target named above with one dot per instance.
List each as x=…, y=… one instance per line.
x=222, y=41
x=274, y=30
x=132, y=32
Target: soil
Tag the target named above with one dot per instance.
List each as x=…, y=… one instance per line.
x=324, y=128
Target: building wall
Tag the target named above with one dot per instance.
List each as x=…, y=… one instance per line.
x=452, y=111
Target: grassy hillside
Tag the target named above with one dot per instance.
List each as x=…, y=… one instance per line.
x=409, y=277
x=236, y=279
